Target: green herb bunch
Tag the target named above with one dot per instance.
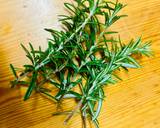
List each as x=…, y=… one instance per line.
x=83, y=56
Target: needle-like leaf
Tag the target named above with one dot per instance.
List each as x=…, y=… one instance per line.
x=31, y=86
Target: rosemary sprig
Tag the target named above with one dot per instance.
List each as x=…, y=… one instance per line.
x=81, y=56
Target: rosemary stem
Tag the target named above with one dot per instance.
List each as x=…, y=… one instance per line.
x=83, y=120
x=73, y=112
x=19, y=78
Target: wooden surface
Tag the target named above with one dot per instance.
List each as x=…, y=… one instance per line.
x=132, y=103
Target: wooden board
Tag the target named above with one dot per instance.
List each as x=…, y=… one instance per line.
x=132, y=103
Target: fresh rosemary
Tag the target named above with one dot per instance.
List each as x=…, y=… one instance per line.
x=83, y=55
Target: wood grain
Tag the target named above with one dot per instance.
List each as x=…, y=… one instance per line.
x=132, y=103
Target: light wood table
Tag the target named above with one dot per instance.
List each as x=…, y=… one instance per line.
x=132, y=103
